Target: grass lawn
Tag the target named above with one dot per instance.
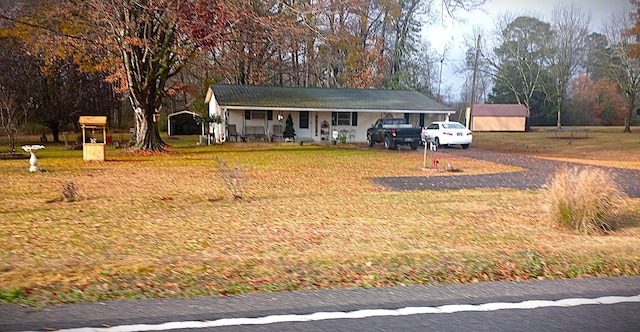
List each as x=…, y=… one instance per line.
x=165, y=225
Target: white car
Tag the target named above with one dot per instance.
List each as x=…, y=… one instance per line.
x=447, y=133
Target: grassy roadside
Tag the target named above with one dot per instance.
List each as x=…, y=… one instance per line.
x=605, y=146
x=165, y=225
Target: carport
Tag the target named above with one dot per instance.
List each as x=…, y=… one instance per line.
x=183, y=123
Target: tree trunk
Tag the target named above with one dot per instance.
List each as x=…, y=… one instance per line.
x=147, y=133
x=55, y=130
x=627, y=123
x=56, y=135
x=559, y=102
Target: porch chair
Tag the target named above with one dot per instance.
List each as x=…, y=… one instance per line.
x=233, y=132
x=352, y=135
x=277, y=132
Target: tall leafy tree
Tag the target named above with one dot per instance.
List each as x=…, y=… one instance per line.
x=64, y=92
x=520, y=59
x=144, y=44
x=53, y=88
x=17, y=86
x=597, y=56
x=151, y=40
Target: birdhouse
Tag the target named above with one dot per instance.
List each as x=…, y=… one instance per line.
x=94, y=137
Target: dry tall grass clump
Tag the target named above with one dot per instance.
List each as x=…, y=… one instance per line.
x=583, y=199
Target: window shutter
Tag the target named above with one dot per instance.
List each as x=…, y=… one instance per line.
x=334, y=118
x=269, y=115
x=247, y=115
x=406, y=116
x=354, y=119
x=421, y=119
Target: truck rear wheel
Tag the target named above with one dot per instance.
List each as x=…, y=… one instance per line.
x=414, y=145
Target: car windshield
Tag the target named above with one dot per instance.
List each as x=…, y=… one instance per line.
x=452, y=125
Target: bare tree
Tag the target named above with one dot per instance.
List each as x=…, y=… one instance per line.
x=570, y=25
x=479, y=67
x=624, y=69
x=10, y=117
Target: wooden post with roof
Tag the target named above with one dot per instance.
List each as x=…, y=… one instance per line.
x=94, y=148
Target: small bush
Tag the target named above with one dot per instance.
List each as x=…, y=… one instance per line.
x=70, y=192
x=583, y=199
x=12, y=294
x=233, y=178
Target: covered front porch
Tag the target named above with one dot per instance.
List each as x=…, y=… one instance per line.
x=310, y=126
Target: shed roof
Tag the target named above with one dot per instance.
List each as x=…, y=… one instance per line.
x=501, y=110
x=327, y=99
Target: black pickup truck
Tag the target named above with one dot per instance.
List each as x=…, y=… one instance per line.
x=393, y=132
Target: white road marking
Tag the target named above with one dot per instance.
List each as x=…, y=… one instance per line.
x=358, y=314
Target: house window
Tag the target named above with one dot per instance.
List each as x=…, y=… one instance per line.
x=344, y=118
x=304, y=120
x=256, y=115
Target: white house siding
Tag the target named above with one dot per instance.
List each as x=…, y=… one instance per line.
x=220, y=131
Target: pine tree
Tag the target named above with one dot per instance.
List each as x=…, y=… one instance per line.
x=289, y=132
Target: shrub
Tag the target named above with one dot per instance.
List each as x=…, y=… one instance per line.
x=233, y=178
x=70, y=192
x=583, y=199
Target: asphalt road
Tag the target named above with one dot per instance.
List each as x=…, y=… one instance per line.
x=469, y=307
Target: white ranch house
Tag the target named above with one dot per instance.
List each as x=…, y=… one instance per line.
x=260, y=112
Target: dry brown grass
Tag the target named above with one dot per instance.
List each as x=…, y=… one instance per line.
x=584, y=199
x=605, y=146
x=166, y=225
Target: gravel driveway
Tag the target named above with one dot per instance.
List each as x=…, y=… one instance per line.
x=537, y=172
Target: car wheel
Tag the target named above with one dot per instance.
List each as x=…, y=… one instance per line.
x=414, y=145
x=437, y=142
x=370, y=141
x=388, y=143
x=465, y=146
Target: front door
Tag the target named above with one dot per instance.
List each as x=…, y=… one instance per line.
x=304, y=126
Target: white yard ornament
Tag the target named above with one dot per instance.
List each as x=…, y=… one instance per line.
x=33, y=160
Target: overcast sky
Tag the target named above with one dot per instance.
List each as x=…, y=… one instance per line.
x=448, y=36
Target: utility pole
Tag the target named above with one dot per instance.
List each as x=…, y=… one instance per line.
x=439, y=98
x=473, y=84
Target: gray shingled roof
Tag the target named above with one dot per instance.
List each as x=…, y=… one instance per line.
x=248, y=97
